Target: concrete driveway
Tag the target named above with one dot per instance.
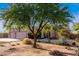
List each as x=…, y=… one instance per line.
x=8, y=40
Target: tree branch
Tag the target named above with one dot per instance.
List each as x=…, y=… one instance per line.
x=41, y=28
x=30, y=27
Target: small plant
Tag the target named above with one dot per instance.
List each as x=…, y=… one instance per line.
x=58, y=43
x=13, y=45
x=56, y=53
x=27, y=41
x=2, y=45
x=68, y=48
x=12, y=49
x=74, y=44
x=18, y=43
x=77, y=51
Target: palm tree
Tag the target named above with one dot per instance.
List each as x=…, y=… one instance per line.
x=35, y=16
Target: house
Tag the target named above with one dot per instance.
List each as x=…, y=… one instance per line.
x=15, y=33
x=19, y=34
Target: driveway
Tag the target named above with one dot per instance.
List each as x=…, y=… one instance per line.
x=8, y=40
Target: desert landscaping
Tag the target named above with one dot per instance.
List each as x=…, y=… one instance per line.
x=39, y=29
x=19, y=48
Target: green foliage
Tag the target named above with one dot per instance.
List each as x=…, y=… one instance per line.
x=47, y=28
x=76, y=27
x=19, y=15
x=35, y=16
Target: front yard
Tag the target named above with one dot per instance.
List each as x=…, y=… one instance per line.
x=20, y=49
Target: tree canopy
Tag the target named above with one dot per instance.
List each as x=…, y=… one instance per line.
x=76, y=27
x=36, y=16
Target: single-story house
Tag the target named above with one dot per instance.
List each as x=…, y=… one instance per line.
x=14, y=33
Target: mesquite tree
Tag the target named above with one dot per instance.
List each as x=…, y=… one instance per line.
x=35, y=16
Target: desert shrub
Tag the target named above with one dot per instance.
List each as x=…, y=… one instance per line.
x=12, y=49
x=2, y=45
x=74, y=43
x=18, y=43
x=27, y=41
x=77, y=51
x=68, y=48
x=65, y=43
x=56, y=53
x=59, y=42
x=13, y=45
x=72, y=36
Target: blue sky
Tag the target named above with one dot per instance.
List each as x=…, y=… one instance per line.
x=73, y=9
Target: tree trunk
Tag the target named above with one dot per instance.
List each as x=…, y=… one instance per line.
x=35, y=40
x=19, y=29
x=49, y=41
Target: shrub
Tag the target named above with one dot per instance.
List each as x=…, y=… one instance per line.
x=2, y=45
x=74, y=43
x=13, y=45
x=27, y=41
x=12, y=49
x=56, y=53
x=18, y=43
x=68, y=48
x=77, y=51
x=59, y=42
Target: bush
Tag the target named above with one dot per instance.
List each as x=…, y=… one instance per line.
x=56, y=53
x=12, y=49
x=59, y=42
x=2, y=45
x=30, y=35
x=18, y=43
x=68, y=48
x=74, y=44
x=27, y=41
x=77, y=51
x=13, y=45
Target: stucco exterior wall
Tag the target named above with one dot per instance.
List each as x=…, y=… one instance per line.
x=18, y=35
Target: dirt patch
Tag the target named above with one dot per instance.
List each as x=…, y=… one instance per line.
x=28, y=50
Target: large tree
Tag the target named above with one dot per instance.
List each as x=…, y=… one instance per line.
x=35, y=17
